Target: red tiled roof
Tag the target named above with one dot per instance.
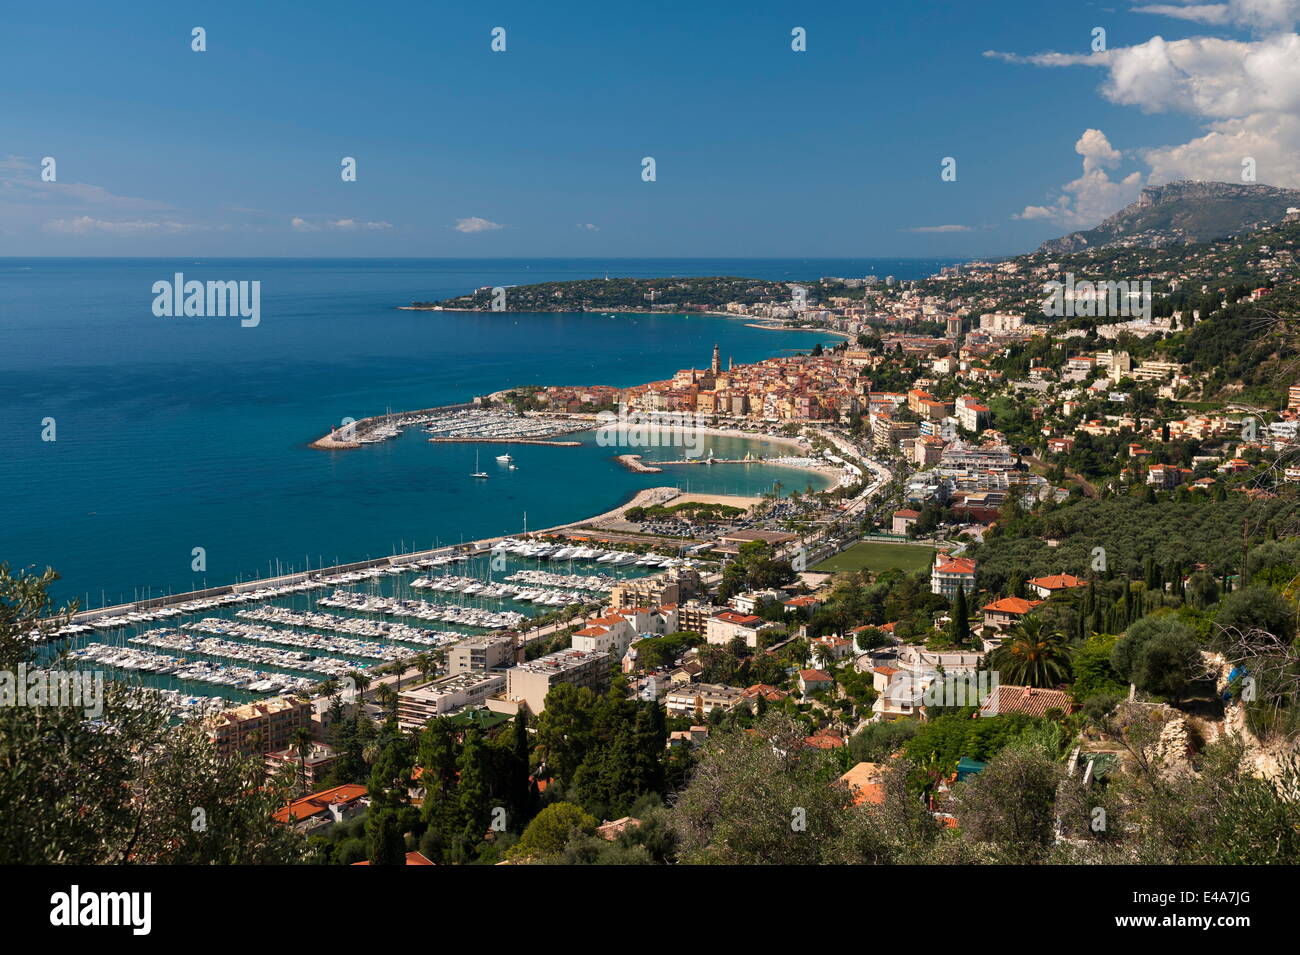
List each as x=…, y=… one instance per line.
x=955, y=565
x=1058, y=582
x=1028, y=700
x=1015, y=605
x=319, y=802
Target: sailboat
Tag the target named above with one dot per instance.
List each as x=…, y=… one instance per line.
x=478, y=473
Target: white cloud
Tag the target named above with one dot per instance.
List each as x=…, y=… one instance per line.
x=588, y=227
x=86, y=225
x=476, y=224
x=1255, y=14
x=939, y=228
x=1094, y=195
x=299, y=224
x=1246, y=93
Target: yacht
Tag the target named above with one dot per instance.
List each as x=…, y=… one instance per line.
x=505, y=459
x=478, y=472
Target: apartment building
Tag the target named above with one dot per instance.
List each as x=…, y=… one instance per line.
x=260, y=728
x=419, y=704
x=950, y=573
x=528, y=683
x=694, y=698
x=726, y=626
x=483, y=652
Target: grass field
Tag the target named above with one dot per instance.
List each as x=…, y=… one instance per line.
x=876, y=556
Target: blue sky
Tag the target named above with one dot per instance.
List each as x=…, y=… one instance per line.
x=760, y=150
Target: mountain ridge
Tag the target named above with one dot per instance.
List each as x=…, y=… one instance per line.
x=1182, y=212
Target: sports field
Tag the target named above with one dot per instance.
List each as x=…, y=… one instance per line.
x=876, y=556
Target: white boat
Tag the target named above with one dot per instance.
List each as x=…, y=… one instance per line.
x=505, y=459
x=478, y=472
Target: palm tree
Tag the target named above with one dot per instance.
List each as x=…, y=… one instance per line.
x=387, y=697
x=360, y=682
x=1033, y=654
x=302, y=743
x=425, y=663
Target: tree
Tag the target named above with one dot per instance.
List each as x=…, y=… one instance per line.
x=385, y=843
x=1256, y=608
x=1033, y=654
x=125, y=785
x=1167, y=664
x=1011, y=803
x=302, y=740
x=551, y=830
x=960, y=618
x=358, y=682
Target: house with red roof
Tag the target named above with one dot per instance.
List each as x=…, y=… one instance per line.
x=1007, y=612
x=949, y=573
x=814, y=681
x=1055, y=584
x=322, y=808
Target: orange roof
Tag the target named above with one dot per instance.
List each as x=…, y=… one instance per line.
x=730, y=616
x=412, y=858
x=1028, y=700
x=814, y=676
x=863, y=781
x=955, y=565
x=1011, y=605
x=1058, y=582
x=319, y=802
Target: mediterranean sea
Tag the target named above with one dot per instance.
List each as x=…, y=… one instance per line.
x=177, y=433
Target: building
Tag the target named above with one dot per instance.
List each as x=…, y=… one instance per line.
x=417, y=705
x=266, y=726
x=528, y=683
x=753, y=600
x=673, y=587
x=972, y=415
x=864, y=782
x=1028, y=700
x=1055, y=584
x=612, y=635
x=904, y=519
x=814, y=681
x=693, y=616
x=483, y=652
x=949, y=573
x=312, y=767
x=702, y=698
x=726, y=626
x=323, y=808
x=1007, y=612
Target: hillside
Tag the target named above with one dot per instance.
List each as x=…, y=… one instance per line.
x=1184, y=212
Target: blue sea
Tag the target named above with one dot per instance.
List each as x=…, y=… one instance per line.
x=177, y=433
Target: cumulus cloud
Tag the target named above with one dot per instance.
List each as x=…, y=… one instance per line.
x=588, y=227
x=1246, y=93
x=299, y=224
x=476, y=224
x=1094, y=195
